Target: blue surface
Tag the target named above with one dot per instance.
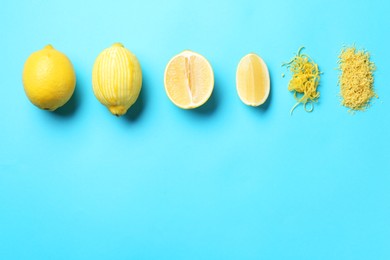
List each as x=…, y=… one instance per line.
x=225, y=181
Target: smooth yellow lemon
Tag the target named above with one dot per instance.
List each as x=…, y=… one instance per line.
x=188, y=80
x=49, y=79
x=117, y=79
x=252, y=79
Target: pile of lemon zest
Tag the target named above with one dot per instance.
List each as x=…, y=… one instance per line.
x=304, y=81
x=356, y=79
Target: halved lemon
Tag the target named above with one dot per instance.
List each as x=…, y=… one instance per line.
x=252, y=80
x=188, y=80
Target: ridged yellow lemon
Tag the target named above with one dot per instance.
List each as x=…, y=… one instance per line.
x=117, y=79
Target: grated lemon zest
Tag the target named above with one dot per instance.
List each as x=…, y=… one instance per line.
x=356, y=79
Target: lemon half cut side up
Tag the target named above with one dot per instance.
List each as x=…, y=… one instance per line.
x=188, y=80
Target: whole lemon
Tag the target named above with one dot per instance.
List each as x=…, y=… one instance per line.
x=49, y=79
x=117, y=78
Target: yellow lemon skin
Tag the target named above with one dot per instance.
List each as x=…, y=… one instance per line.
x=49, y=79
x=117, y=79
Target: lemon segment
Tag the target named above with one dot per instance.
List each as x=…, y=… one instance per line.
x=117, y=79
x=188, y=80
x=49, y=79
x=252, y=80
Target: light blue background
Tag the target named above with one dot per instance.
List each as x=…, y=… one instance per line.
x=225, y=181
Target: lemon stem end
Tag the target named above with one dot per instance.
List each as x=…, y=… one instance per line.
x=118, y=110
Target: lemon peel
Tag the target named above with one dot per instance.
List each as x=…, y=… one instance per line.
x=304, y=81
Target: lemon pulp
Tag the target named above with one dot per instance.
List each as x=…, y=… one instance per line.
x=252, y=80
x=188, y=80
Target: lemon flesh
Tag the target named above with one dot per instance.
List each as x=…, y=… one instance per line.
x=49, y=79
x=188, y=80
x=252, y=80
